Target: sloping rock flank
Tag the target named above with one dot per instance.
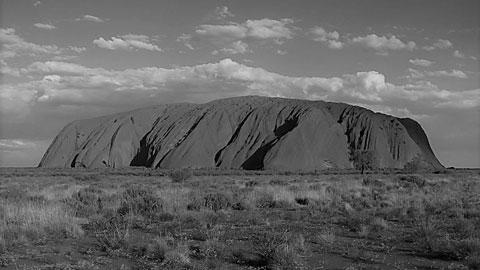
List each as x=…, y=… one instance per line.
x=245, y=132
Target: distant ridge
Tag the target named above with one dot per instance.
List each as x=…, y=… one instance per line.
x=249, y=132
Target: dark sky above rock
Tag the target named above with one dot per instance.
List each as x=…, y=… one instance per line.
x=67, y=60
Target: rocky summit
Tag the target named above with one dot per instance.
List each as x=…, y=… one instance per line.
x=242, y=133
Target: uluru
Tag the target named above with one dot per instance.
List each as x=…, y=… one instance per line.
x=250, y=132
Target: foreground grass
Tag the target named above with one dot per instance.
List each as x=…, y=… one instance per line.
x=145, y=220
x=24, y=221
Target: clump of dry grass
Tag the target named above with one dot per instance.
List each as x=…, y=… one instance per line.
x=177, y=256
x=280, y=250
x=270, y=196
x=59, y=192
x=175, y=200
x=33, y=220
x=180, y=175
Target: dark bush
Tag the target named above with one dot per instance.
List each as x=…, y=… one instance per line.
x=217, y=201
x=278, y=250
x=265, y=200
x=302, y=201
x=278, y=182
x=157, y=249
x=213, y=201
x=251, y=183
x=112, y=232
x=239, y=205
x=139, y=200
x=364, y=160
x=180, y=175
x=370, y=181
x=85, y=202
x=412, y=179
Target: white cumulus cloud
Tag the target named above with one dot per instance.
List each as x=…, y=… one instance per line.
x=13, y=44
x=445, y=73
x=223, y=12
x=439, y=44
x=90, y=18
x=186, y=40
x=277, y=30
x=421, y=62
x=383, y=43
x=331, y=39
x=45, y=26
x=62, y=83
x=127, y=42
x=237, y=47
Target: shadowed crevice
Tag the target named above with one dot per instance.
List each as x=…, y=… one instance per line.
x=256, y=161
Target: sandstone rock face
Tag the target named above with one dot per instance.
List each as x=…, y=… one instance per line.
x=245, y=132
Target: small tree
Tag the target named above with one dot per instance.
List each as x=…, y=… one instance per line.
x=413, y=165
x=363, y=160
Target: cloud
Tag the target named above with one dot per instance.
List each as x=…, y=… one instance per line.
x=383, y=44
x=439, y=44
x=21, y=152
x=458, y=54
x=7, y=145
x=237, y=47
x=331, y=39
x=444, y=73
x=77, y=49
x=37, y=3
x=417, y=74
x=235, y=38
x=421, y=62
x=90, y=18
x=281, y=52
x=185, y=39
x=231, y=31
x=223, y=12
x=13, y=45
x=443, y=44
x=68, y=84
x=269, y=29
x=5, y=69
x=263, y=29
x=45, y=26
x=127, y=42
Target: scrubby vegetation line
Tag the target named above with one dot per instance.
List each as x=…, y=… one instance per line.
x=186, y=220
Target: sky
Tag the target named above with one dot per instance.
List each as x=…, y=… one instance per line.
x=63, y=60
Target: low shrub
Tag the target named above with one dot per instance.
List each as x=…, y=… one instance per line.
x=217, y=201
x=278, y=182
x=139, y=200
x=302, y=201
x=86, y=201
x=279, y=250
x=112, y=232
x=157, y=249
x=263, y=200
x=251, y=183
x=180, y=175
x=411, y=179
x=213, y=201
x=370, y=181
x=177, y=257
